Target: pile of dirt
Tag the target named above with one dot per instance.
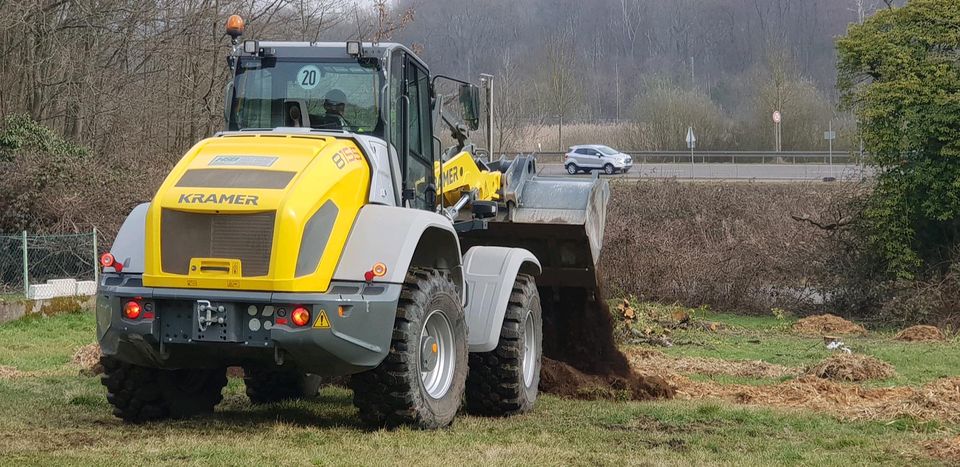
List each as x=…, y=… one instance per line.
x=852, y=368
x=566, y=381
x=581, y=359
x=824, y=325
x=88, y=359
x=653, y=361
x=920, y=333
x=944, y=449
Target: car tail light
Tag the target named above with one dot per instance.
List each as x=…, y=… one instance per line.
x=300, y=316
x=132, y=310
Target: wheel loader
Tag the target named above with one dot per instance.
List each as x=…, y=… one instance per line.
x=326, y=233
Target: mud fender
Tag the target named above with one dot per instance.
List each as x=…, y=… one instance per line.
x=399, y=238
x=489, y=273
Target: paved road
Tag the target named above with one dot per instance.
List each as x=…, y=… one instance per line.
x=783, y=172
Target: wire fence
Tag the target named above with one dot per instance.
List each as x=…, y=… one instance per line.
x=54, y=265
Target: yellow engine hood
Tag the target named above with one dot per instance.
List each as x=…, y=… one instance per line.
x=255, y=212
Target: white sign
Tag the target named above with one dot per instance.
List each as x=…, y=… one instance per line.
x=691, y=139
x=776, y=116
x=308, y=77
x=829, y=135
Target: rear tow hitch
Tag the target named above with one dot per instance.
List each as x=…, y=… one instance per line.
x=208, y=314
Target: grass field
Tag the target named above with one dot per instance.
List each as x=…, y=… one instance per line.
x=51, y=415
x=769, y=339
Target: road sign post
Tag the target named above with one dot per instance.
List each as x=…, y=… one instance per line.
x=691, y=143
x=777, y=135
x=830, y=135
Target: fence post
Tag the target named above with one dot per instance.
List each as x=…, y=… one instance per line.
x=26, y=268
x=96, y=262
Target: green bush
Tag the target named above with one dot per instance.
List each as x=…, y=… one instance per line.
x=899, y=72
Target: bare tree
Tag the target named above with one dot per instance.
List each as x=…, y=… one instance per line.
x=563, y=82
x=514, y=122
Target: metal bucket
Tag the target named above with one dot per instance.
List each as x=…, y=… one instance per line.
x=561, y=221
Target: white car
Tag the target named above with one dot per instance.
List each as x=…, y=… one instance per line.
x=590, y=157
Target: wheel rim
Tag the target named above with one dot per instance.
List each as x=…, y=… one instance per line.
x=529, y=365
x=571, y=169
x=608, y=169
x=437, y=354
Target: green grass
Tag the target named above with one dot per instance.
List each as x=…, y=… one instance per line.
x=11, y=297
x=59, y=417
x=36, y=342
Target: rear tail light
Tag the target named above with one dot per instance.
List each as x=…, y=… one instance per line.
x=132, y=310
x=300, y=316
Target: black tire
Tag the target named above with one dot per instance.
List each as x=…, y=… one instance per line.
x=608, y=169
x=140, y=394
x=265, y=386
x=394, y=394
x=496, y=385
x=572, y=169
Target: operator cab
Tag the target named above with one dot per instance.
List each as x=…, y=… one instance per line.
x=379, y=90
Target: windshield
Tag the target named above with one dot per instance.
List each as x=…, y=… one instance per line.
x=328, y=95
x=607, y=151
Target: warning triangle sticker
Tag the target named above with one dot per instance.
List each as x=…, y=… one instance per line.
x=322, y=321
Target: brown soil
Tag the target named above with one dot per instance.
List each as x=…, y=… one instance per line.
x=564, y=380
x=920, y=333
x=580, y=357
x=9, y=372
x=937, y=400
x=652, y=361
x=823, y=325
x=944, y=449
x=934, y=401
x=852, y=368
x=88, y=359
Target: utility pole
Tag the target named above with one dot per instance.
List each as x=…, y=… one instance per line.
x=693, y=79
x=617, y=68
x=487, y=81
x=560, y=134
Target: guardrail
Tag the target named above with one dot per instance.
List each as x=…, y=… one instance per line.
x=721, y=157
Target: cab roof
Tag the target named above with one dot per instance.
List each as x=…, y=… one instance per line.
x=323, y=50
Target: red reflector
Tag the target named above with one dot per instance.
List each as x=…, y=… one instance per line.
x=107, y=260
x=131, y=310
x=281, y=320
x=368, y=276
x=300, y=316
x=148, y=315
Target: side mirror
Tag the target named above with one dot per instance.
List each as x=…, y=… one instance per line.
x=227, y=102
x=470, y=100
